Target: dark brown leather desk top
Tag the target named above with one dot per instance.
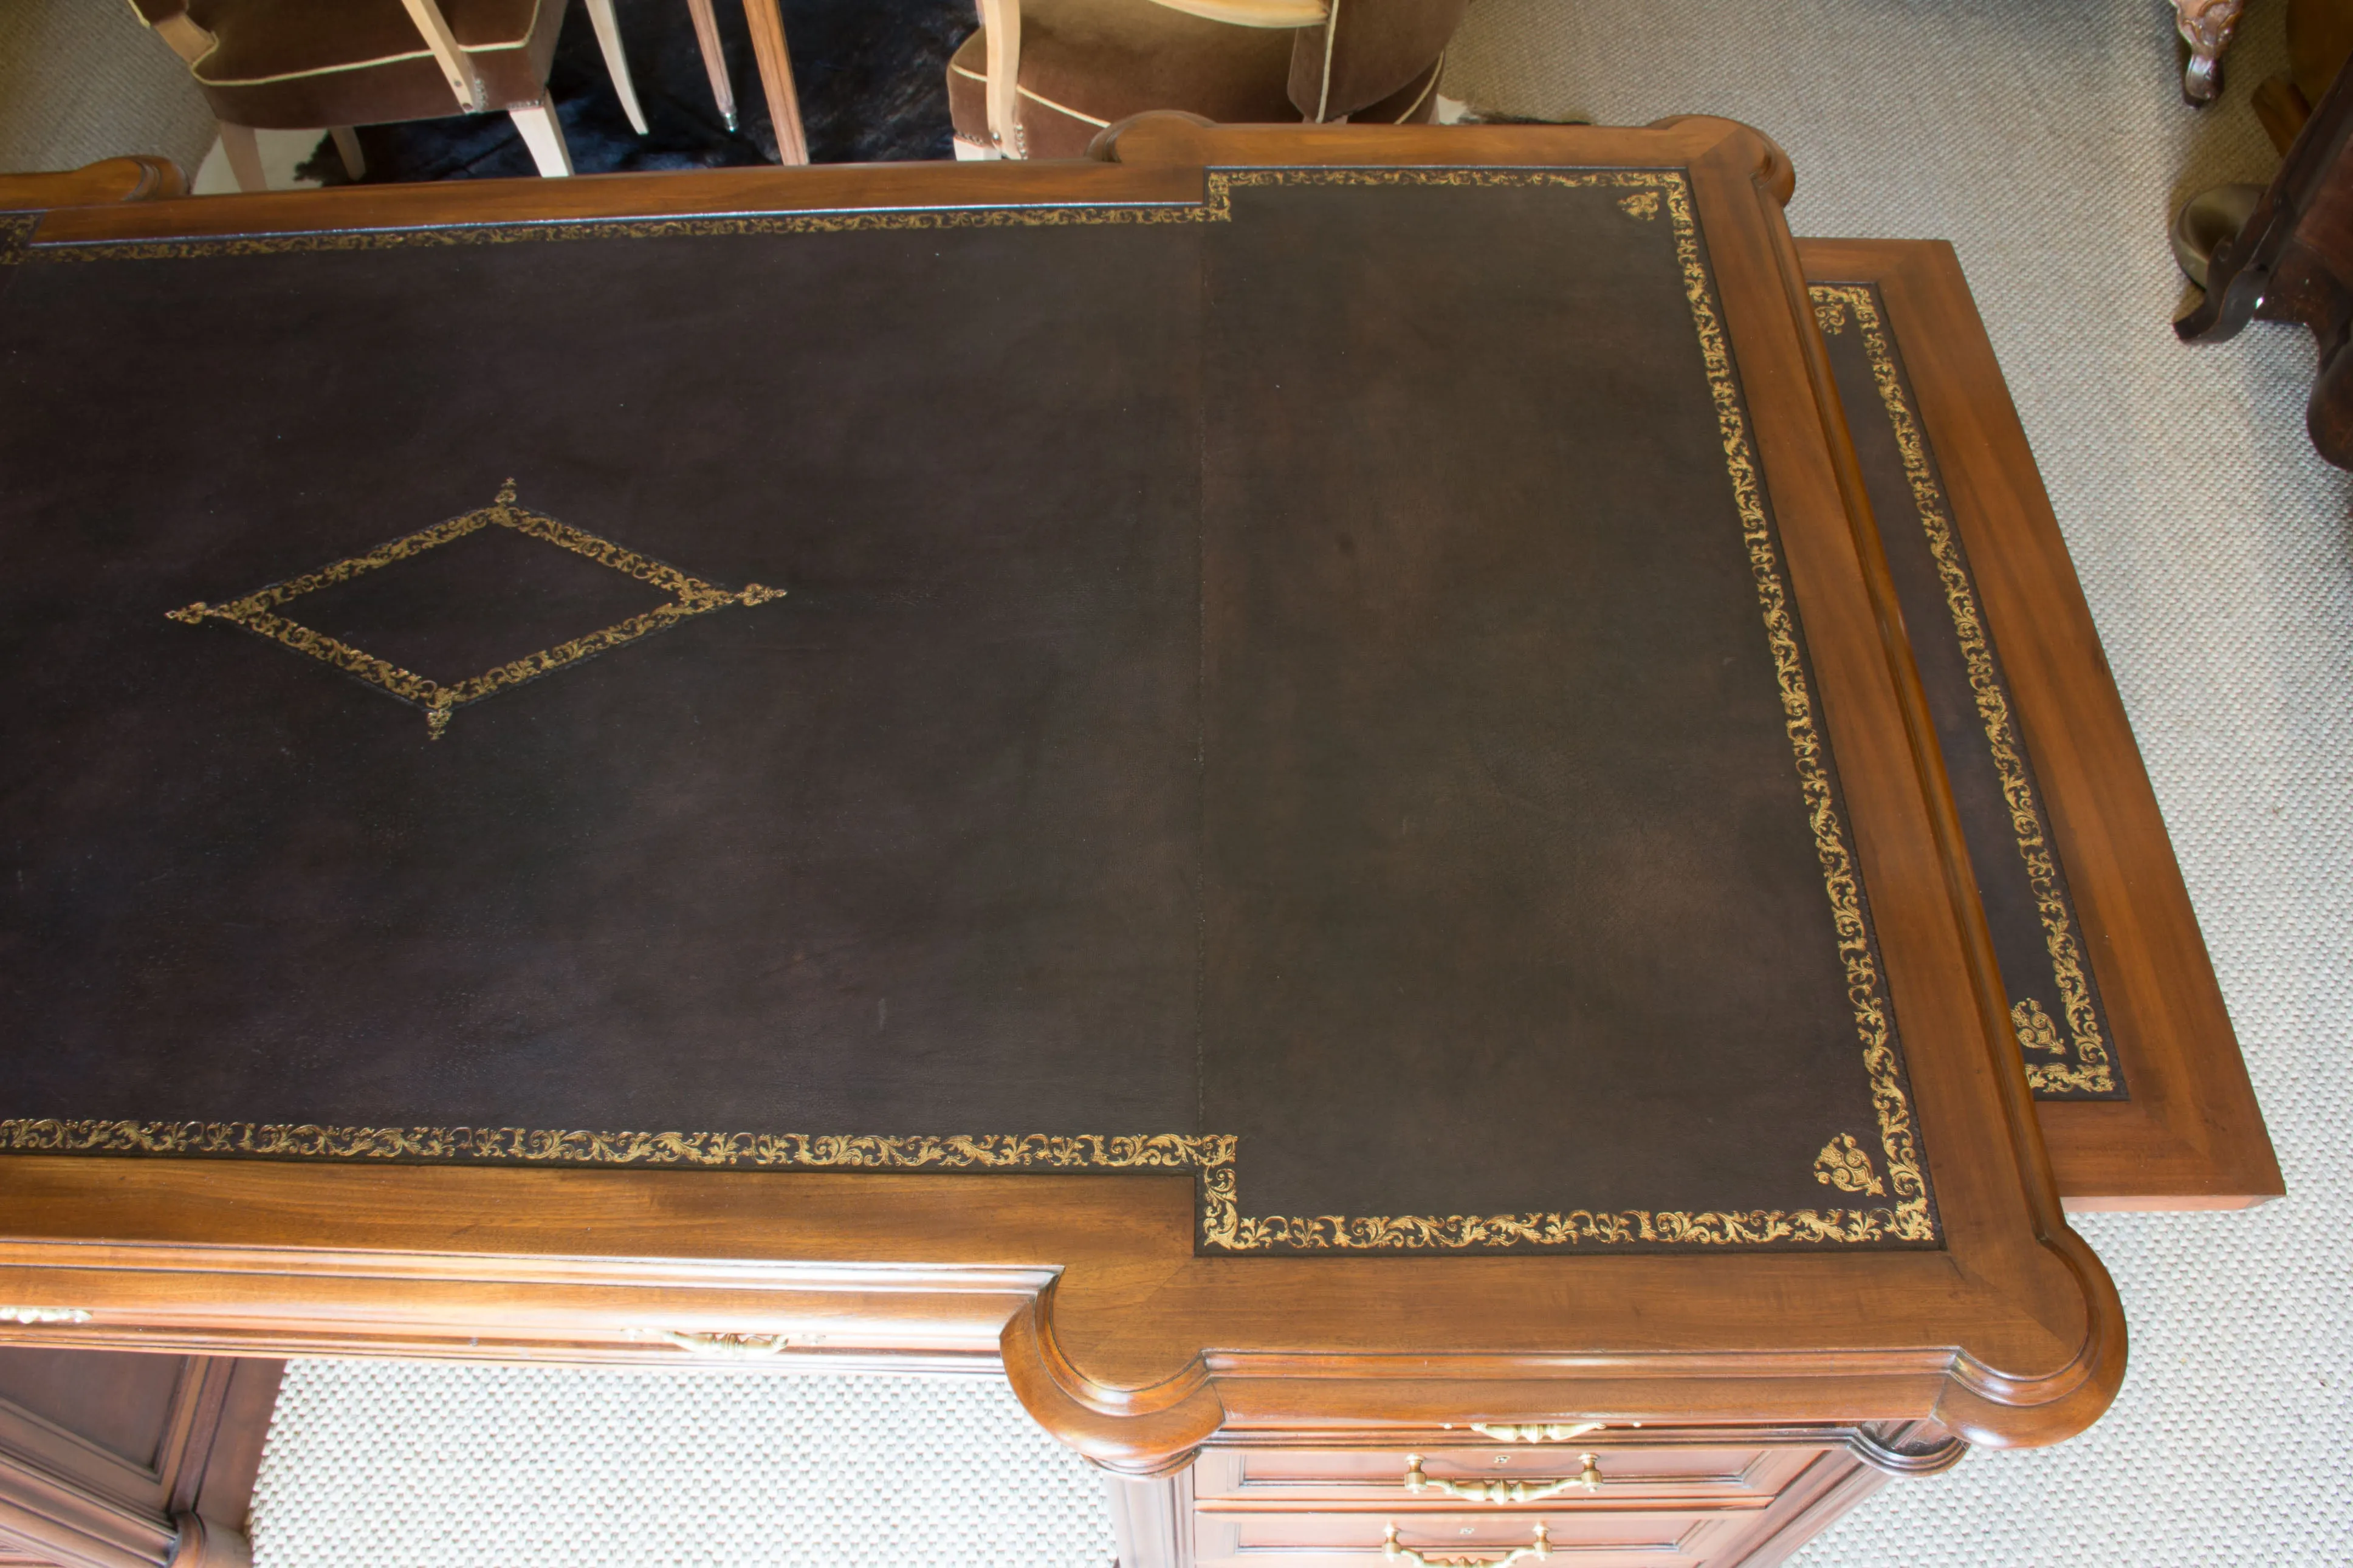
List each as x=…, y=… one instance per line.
x=1321, y=677
x=1159, y=748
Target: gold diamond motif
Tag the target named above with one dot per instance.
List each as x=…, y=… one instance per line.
x=690, y=597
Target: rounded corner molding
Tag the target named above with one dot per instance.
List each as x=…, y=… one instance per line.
x=1898, y=1460
x=1135, y=1433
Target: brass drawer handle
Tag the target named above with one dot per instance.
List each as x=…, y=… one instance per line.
x=1537, y=1431
x=720, y=1347
x=1541, y=1549
x=1498, y=1491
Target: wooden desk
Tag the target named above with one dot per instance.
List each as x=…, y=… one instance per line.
x=1102, y=340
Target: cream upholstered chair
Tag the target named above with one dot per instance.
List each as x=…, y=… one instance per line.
x=1042, y=76
x=303, y=65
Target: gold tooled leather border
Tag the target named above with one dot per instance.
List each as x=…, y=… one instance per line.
x=690, y=596
x=1907, y=1217
x=2091, y=1071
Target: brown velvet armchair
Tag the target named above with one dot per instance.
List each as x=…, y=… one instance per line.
x=298, y=65
x=1042, y=76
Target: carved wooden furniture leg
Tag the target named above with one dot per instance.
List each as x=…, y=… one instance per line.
x=777, y=77
x=2206, y=26
x=2288, y=262
x=714, y=58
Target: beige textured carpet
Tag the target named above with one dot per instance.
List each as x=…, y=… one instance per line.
x=82, y=81
x=2045, y=137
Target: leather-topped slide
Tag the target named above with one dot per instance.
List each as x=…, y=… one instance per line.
x=1284, y=732
x=2142, y=1094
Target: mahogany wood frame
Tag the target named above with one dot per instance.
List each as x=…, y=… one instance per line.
x=1116, y=1336
x=2191, y=1135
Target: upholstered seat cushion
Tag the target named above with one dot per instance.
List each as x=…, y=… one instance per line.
x=302, y=63
x=1086, y=64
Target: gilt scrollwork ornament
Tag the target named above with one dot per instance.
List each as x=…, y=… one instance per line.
x=1844, y=1163
x=257, y=612
x=2091, y=1071
x=2035, y=1028
x=723, y=1346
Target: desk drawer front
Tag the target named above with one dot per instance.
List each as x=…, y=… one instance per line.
x=1593, y=1538
x=1376, y=1476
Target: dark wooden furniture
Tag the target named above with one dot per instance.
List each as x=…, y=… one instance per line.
x=1912, y=356
x=110, y=1459
x=2319, y=37
x=1145, y=1299
x=2206, y=26
x=2293, y=261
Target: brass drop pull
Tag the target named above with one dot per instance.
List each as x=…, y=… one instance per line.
x=720, y=1347
x=1540, y=1549
x=43, y=1315
x=1537, y=1431
x=1516, y=1489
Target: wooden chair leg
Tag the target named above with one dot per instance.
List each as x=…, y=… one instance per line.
x=544, y=134
x=244, y=151
x=347, y=147
x=617, y=63
x=714, y=58
x=777, y=77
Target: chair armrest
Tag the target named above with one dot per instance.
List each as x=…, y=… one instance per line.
x=1255, y=13
x=169, y=20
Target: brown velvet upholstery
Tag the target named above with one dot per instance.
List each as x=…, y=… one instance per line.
x=296, y=64
x=1086, y=64
x=1378, y=49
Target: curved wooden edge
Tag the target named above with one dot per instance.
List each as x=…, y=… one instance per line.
x=1138, y=1433
x=1117, y=1337
x=2191, y=1134
x=1913, y=1452
x=136, y=179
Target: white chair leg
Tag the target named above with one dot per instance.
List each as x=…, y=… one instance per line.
x=544, y=136
x=244, y=151
x=609, y=38
x=347, y=147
